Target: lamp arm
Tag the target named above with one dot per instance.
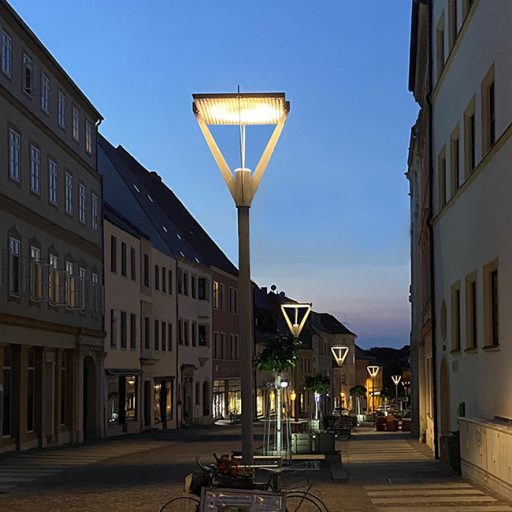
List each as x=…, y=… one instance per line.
x=217, y=155
x=265, y=157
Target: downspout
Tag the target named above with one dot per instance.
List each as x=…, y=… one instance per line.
x=431, y=235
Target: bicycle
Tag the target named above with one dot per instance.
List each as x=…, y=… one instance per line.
x=292, y=483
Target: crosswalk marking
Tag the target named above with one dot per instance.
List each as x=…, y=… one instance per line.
x=428, y=499
x=22, y=468
x=452, y=508
x=424, y=492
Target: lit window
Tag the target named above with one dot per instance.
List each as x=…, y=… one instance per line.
x=45, y=92
x=14, y=155
x=35, y=164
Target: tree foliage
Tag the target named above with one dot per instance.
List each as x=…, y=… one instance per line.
x=317, y=383
x=358, y=391
x=279, y=355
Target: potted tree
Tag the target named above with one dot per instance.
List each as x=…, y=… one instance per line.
x=319, y=385
x=358, y=392
x=279, y=355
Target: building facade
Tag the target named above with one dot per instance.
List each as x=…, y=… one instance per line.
x=51, y=320
x=470, y=149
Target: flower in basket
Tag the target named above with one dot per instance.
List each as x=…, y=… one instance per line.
x=226, y=465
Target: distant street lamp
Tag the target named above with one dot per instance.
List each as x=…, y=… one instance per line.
x=396, y=380
x=340, y=353
x=373, y=371
x=242, y=110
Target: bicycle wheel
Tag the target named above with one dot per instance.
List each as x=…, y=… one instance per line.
x=181, y=504
x=304, y=502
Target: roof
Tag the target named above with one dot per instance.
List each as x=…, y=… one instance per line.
x=141, y=196
x=49, y=56
x=114, y=217
x=325, y=322
x=210, y=253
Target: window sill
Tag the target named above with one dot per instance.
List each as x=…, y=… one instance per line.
x=491, y=348
x=471, y=350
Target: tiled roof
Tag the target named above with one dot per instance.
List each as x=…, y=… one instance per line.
x=326, y=322
x=119, y=220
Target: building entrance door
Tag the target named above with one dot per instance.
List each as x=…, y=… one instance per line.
x=90, y=405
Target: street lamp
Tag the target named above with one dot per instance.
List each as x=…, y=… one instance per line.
x=242, y=110
x=340, y=353
x=373, y=371
x=296, y=316
x=396, y=380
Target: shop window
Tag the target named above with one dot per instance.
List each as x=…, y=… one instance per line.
x=112, y=399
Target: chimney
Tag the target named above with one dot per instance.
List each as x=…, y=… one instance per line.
x=155, y=175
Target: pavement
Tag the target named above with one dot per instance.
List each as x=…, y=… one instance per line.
x=387, y=472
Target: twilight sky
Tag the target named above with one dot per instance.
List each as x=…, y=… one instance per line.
x=329, y=223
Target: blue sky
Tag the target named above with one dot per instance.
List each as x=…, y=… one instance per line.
x=329, y=223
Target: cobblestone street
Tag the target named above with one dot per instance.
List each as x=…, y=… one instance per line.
x=387, y=473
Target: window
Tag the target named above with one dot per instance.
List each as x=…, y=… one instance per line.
x=455, y=317
x=113, y=328
x=454, y=161
x=27, y=75
x=70, y=299
x=469, y=138
x=202, y=288
x=146, y=333
x=471, y=313
x=194, y=334
x=53, y=279
x=198, y=397
x=206, y=398
x=157, y=277
x=113, y=254
x=186, y=333
x=14, y=154
x=31, y=389
x=133, y=264
x=215, y=292
x=442, y=178
x=233, y=300
x=112, y=399
x=185, y=283
x=45, y=92
x=123, y=259
x=36, y=284
x=52, y=182
x=88, y=137
x=81, y=203
x=180, y=331
x=440, y=46
x=202, y=334
x=94, y=211
x=76, y=123
x=193, y=286
x=452, y=22
x=123, y=329
x=229, y=350
x=96, y=298
x=169, y=337
x=62, y=110
x=216, y=345
x=14, y=266
x=235, y=356
x=6, y=42
x=157, y=335
x=7, y=399
x=68, y=193
x=164, y=337
x=169, y=279
x=488, y=112
x=35, y=168
x=491, y=304
x=146, y=270
x=221, y=297
x=222, y=344
x=133, y=331
x=180, y=281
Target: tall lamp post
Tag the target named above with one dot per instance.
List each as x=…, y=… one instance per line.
x=396, y=380
x=373, y=371
x=295, y=315
x=242, y=110
x=340, y=353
